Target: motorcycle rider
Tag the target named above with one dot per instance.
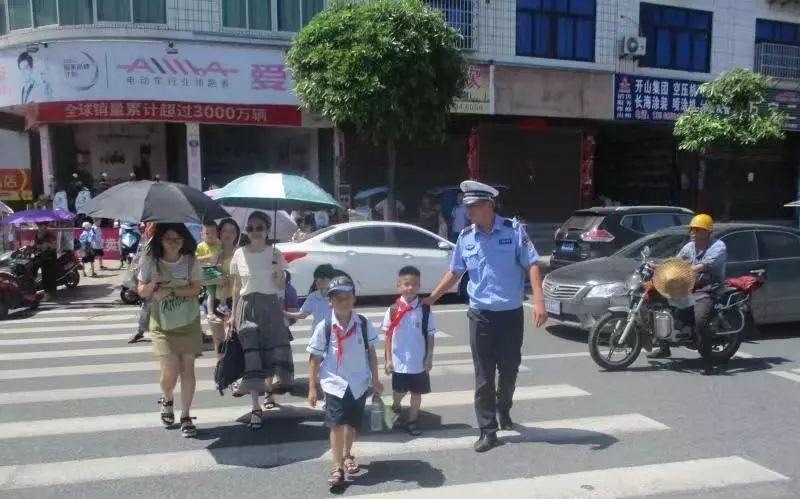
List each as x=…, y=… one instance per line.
x=708, y=258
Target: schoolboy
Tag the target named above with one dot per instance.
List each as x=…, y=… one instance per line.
x=409, y=331
x=344, y=362
x=316, y=303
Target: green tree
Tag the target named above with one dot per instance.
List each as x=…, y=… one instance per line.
x=734, y=115
x=388, y=69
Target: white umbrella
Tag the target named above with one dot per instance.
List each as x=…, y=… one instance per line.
x=793, y=204
x=284, y=225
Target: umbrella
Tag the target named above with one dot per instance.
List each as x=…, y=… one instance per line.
x=285, y=227
x=367, y=193
x=149, y=201
x=274, y=191
x=5, y=209
x=38, y=216
x=793, y=204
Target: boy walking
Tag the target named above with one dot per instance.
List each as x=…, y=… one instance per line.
x=409, y=331
x=344, y=362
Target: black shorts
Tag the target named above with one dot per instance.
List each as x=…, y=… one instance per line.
x=344, y=411
x=98, y=252
x=87, y=257
x=414, y=383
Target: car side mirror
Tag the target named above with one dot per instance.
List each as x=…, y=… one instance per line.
x=445, y=246
x=645, y=252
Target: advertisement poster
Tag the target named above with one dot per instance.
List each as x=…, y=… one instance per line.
x=15, y=167
x=477, y=97
x=642, y=98
x=109, y=70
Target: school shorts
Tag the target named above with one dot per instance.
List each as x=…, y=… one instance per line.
x=344, y=411
x=99, y=252
x=414, y=383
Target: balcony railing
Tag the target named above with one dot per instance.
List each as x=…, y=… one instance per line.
x=778, y=61
x=460, y=15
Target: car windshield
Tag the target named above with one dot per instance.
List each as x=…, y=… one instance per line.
x=661, y=246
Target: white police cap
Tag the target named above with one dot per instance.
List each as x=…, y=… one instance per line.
x=475, y=192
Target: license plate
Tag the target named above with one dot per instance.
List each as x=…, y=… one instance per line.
x=568, y=247
x=552, y=306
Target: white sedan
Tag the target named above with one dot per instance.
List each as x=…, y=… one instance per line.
x=372, y=253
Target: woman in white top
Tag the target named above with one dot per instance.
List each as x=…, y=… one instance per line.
x=257, y=270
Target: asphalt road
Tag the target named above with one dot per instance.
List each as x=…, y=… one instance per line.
x=78, y=418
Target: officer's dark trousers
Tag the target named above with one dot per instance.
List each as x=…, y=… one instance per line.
x=496, y=341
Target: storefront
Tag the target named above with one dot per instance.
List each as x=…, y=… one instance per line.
x=638, y=160
x=188, y=112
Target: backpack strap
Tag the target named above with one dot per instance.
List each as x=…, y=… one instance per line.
x=328, y=327
x=426, y=317
x=364, y=325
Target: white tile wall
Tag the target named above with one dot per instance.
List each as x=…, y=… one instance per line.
x=732, y=43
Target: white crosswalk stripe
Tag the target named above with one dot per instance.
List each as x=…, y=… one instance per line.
x=64, y=342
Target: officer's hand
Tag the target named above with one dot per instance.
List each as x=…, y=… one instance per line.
x=539, y=314
x=428, y=302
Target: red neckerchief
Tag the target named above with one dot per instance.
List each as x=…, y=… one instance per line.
x=402, y=309
x=340, y=340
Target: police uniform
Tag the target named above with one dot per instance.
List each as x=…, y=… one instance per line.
x=496, y=264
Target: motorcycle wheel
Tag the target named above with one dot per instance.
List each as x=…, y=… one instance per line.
x=604, y=333
x=72, y=280
x=733, y=342
x=128, y=296
x=35, y=304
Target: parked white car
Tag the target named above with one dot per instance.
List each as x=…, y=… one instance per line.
x=372, y=253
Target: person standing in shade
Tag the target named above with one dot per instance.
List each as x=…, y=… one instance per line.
x=496, y=254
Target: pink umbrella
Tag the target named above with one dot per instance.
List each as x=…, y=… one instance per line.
x=284, y=225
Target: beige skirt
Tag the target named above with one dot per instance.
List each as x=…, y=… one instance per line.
x=182, y=341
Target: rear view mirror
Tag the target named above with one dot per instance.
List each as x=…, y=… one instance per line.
x=445, y=246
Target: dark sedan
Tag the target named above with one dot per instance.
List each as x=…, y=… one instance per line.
x=578, y=294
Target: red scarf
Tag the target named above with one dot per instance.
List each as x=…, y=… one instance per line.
x=402, y=309
x=340, y=337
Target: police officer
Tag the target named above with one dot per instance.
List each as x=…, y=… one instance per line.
x=496, y=253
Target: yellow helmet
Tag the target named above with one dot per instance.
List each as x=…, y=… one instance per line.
x=702, y=221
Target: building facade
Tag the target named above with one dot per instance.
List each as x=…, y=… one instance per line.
x=569, y=102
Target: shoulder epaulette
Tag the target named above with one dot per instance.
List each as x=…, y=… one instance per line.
x=466, y=230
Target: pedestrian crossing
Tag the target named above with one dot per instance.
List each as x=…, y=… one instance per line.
x=76, y=360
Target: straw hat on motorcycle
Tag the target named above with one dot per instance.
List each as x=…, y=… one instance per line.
x=674, y=279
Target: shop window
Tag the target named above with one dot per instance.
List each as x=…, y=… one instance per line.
x=677, y=38
x=75, y=12
x=19, y=14
x=266, y=15
x=132, y=11
x=556, y=29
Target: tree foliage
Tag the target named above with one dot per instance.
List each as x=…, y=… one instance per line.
x=733, y=113
x=388, y=68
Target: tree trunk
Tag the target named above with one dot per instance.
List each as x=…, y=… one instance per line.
x=700, y=181
x=728, y=187
x=391, y=172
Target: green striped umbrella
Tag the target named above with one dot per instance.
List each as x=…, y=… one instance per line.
x=274, y=191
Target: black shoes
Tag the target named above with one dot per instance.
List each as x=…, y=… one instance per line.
x=487, y=441
x=136, y=337
x=504, y=419
x=661, y=353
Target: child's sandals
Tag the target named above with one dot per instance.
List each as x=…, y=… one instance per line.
x=167, y=411
x=256, y=420
x=336, y=478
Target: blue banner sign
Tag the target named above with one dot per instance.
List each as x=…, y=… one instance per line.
x=642, y=98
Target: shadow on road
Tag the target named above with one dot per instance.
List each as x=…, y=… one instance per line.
x=401, y=471
x=569, y=334
x=693, y=366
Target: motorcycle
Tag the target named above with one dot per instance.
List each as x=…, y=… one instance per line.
x=128, y=244
x=649, y=319
x=68, y=271
x=17, y=282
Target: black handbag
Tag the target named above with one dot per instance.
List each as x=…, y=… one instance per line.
x=230, y=367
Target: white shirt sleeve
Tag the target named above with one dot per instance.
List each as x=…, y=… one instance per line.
x=387, y=320
x=316, y=346
x=431, y=325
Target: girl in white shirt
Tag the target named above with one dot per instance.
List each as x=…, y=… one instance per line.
x=257, y=270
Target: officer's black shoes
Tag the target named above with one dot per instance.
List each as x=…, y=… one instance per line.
x=710, y=370
x=661, y=353
x=487, y=441
x=504, y=418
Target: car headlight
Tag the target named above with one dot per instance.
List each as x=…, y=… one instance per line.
x=607, y=290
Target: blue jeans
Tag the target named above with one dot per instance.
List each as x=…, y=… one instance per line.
x=144, y=316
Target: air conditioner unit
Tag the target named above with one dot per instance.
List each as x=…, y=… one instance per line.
x=635, y=46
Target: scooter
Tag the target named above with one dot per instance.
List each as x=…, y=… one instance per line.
x=17, y=282
x=128, y=244
x=68, y=271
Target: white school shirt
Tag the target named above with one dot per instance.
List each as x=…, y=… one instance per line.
x=408, y=345
x=316, y=306
x=255, y=270
x=354, y=371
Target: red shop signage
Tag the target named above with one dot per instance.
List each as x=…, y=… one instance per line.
x=136, y=110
